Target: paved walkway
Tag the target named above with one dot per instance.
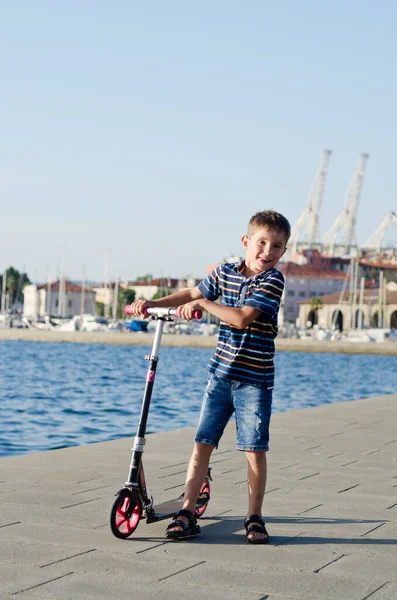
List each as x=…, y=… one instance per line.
x=331, y=509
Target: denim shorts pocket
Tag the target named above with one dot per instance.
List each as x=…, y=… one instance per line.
x=212, y=381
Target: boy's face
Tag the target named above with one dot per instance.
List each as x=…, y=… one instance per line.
x=264, y=248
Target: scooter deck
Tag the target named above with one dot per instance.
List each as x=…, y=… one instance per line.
x=165, y=510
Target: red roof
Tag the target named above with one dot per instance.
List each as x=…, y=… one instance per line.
x=69, y=287
x=164, y=282
x=378, y=265
x=290, y=269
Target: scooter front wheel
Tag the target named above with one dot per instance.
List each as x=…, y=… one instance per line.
x=204, y=497
x=124, y=516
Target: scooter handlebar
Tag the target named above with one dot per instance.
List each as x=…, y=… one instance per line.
x=197, y=314
x=162, y=312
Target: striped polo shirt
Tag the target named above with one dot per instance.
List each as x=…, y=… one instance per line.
x=245, y=355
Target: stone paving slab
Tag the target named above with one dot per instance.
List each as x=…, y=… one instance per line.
x=330, y=506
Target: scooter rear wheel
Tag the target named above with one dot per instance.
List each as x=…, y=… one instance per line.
x=124, y=518
x=205, y=489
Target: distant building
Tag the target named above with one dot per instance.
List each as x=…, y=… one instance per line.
x=370, y=269
x=148, y=289
x=106, y=294
x=62, y=299
x=304, y=282
x=344, y=311
x=315, y=274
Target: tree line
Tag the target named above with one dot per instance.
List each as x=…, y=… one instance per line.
x=15, y=282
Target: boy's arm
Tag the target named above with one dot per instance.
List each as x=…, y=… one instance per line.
x=236, y=317
x=182, y=297
x=179, y=298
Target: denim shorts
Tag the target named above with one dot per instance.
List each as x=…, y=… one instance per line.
x=251, y=404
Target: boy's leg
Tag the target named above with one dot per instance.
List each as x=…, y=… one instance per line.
x=253, y=410
x=196, y=473
x=216, y=410
x=197, y=470
x=256, y=477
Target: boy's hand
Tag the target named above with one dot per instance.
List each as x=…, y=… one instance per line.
x=186, y=310
x=138, y=307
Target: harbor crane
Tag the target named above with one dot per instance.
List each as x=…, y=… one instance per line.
x=346, y=222
x=308, y=222
x=375, y=241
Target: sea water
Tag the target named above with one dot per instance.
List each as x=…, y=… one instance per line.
x=55, y=395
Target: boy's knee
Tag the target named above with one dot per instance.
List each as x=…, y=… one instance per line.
x=202, y=450
x=256, y=456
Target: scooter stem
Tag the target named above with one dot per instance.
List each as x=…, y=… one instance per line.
x=139, y=440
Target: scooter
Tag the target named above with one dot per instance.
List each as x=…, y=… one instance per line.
x=132, y=501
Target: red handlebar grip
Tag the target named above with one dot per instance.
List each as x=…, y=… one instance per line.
x=128, y=310
x=197, y=314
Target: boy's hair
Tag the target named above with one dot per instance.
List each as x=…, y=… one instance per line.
x=271, y=220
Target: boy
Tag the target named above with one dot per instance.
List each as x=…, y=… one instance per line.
x=241, y=373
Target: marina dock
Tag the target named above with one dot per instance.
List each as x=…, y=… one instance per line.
x=330, y=508
x=193, y=341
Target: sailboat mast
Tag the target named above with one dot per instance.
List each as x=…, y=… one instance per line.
x=115, y=298
x=82, y=305
x=380, y=300
x=3, y=291
x=354, y=298
x=106, y=297
x=48, y=311
x=361, y=303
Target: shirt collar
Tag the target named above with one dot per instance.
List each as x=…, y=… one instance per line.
x=239, y=266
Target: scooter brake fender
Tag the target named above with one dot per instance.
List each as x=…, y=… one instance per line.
x=125, y=492
x=133, y=496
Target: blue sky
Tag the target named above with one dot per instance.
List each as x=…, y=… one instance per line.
x=151, y=132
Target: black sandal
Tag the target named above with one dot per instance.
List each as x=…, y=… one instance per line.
x=188, y=531
x=255, y=523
